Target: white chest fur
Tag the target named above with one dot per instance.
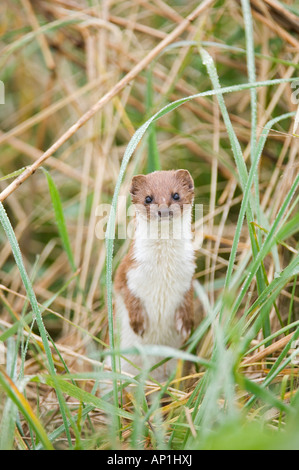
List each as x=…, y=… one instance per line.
x=161, y=278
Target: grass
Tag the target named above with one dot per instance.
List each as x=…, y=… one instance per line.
x=94, y=93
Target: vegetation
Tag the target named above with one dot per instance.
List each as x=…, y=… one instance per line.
x=95, y=92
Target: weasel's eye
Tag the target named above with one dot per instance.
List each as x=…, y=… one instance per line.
x=148, y=199
x=176, y=196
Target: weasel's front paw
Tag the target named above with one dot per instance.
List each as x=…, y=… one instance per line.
x=138, y=322
x=183, y=325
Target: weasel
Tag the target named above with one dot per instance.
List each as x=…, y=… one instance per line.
x=153, y=283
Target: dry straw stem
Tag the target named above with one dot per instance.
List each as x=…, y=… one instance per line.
x=34, y=153
x=265, y=17
x=105, y=99
x=41, y=38
x=277, y=346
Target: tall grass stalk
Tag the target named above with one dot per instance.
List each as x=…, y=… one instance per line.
x=37, y=314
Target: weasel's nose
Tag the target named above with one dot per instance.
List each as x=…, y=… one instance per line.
x=164, y=212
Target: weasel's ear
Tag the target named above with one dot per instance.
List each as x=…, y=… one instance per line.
x=137, y=182
x=185, y=178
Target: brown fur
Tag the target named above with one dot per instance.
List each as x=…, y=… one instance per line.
x=184, y=316
x=133, y=304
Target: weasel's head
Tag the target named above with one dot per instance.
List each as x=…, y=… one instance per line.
x=163, y=194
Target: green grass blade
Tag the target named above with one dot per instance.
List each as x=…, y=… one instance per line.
x=10, y=410
x=245, y=199
x=237, y=153
x=13, y=174
x=26, y=281
x=265, y=395
x=267, y=244
x=86, y=397
x=60, y=220
x=27, y=38
x=5, y=222
x=23, y=405
x=251, y=71
x=288, y=229
x=267, y=297
x=261, y=283
x=235, y=145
